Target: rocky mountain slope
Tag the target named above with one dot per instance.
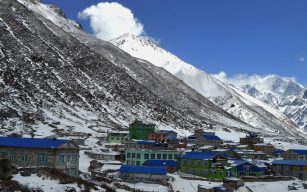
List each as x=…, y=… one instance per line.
x=231, y=99
x=55, y=76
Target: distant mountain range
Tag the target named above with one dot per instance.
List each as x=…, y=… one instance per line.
x=233, y=99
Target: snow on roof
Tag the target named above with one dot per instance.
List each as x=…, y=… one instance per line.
x=31, y=142
x=220, y=150
x=142, y=169
x=206, y=147
x=263, y=144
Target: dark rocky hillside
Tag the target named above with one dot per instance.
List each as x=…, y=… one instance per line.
x=49, y=79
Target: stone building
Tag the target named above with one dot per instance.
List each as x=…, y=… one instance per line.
x=201, y=138
x=251, y=139
x=292, y=168
x=33, y=152
x=265, y=147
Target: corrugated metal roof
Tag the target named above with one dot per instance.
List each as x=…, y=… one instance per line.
x=212, y=137
x=199, y=155
x=146, y=142
x=289, y=162
x=143, y=169
x=161, y=163
x=31, y=142
x=299, y=151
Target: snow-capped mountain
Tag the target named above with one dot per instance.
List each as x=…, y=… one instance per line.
x=55, y=76
x=231, y=99
x=296, y=108
x=271, y=89
x=282, y=93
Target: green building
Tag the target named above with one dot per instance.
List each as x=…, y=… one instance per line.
x=140, y=131
x=118, y=137
x=139, y=156
x=203, y=164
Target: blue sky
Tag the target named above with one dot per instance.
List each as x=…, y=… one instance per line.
x=240, y=36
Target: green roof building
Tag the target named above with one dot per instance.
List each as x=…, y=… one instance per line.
x=140, y=131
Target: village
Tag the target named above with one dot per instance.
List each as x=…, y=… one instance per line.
x=144, y=154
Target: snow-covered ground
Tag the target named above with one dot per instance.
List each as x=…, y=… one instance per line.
x=44, y=183
x=183, y=185
x=147, y=187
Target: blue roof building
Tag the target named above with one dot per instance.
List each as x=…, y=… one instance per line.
x=143, y=174
x=212, y=137
x=201, y=138
x=143, y=170
x=289, y=162
x=170, y=165
x=34, y=152
x=31, y=142
x=199, y=155
x=292, y=168
x=203, y=164
x=295, y=154
x=239, y=168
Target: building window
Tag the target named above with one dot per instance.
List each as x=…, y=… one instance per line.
x=138, y=156
x=128, y=155
x=128, y=162
x=42, y=158
x=197, y=163
x=152, y=156
x=205, y=164
x=146, y=156
x=175, y=156
x=164, y=156
x=13, y=156
x=170, y=156
x=25, y=158
x=61, y=159
x=73, y=172
x=197, y=171
x=158, y=156
x=3, y=154
x=133, y=155
x=138, y=163
x=74, y=158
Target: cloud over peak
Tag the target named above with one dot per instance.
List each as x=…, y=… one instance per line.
x=111, y=20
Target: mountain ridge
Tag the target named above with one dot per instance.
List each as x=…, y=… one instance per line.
x=227, y=97
x=55, y=76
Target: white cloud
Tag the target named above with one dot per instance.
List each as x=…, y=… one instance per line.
x=301, y=59
x=111, y=20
